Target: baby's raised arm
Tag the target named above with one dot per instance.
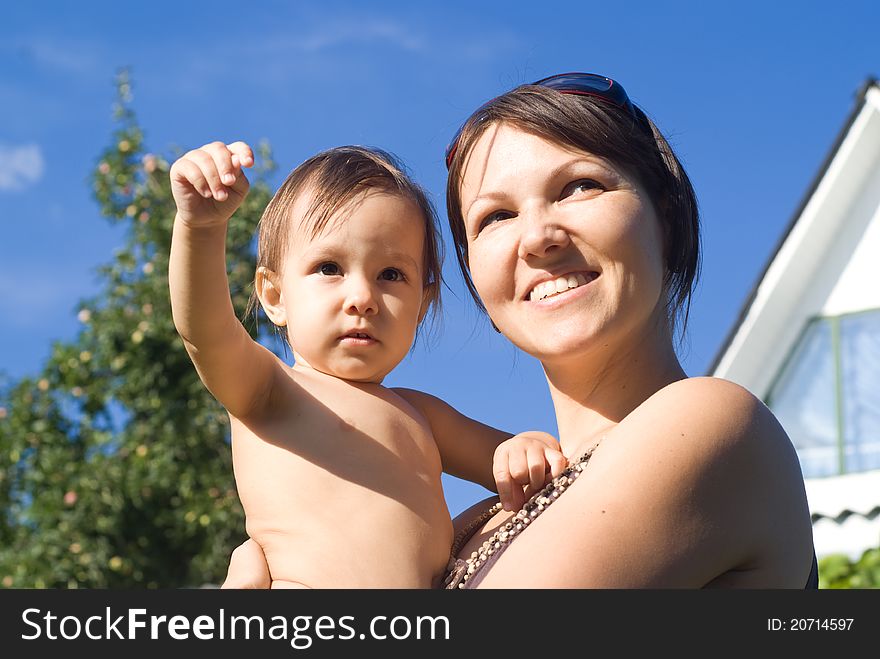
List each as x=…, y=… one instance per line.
x=208, y=186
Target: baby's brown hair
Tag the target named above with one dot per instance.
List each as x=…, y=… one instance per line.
x=336, y=177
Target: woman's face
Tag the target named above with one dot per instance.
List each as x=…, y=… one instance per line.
x=564, y=248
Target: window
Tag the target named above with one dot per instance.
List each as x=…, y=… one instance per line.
x=827, y=395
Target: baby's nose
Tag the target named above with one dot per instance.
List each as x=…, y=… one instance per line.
x=361, y=298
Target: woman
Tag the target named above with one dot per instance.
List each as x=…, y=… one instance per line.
x=577, y=232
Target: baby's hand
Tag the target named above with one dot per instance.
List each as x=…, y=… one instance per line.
x=521, y=465
x=248, y=567
x=208, y=184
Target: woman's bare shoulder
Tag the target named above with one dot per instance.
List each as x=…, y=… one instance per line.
x=710, y=409
x=698, y=392
x=710, y=428
x=697, y=482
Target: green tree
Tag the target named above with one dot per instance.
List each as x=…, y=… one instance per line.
x=115, y=465
x=839, y=571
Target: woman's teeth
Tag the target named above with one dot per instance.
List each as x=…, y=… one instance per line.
x=560, y=285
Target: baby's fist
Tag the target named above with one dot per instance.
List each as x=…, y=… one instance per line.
x=523, y=464
x=208, y=184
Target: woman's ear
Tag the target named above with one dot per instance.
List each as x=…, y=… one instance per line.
x=268, y=287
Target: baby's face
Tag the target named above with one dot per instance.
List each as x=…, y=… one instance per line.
x=353, y=295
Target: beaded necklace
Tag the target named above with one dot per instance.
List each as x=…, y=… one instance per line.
x=459, y=570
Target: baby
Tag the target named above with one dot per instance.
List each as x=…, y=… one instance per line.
x=339, y=476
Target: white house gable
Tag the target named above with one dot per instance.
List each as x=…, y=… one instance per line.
x=808, y=339
x=858, y=286
x=828, y=263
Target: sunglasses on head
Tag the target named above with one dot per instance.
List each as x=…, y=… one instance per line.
x=581, y=84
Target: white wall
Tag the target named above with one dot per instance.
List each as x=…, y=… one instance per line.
x=858, y=287
x=829, y=264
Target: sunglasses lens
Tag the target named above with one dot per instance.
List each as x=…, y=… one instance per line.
x=589, y=84
x=578, y=81
x=450, y=149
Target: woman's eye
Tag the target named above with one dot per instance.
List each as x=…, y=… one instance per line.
x=492, y=218
x=328, y=269
x=581, y=186
x=391, y=274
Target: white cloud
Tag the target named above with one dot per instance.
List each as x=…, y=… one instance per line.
x=342, y=34
x=64, y=55
x=20, y=166
x=68, y=56
x=323, y=45
x=309, y=51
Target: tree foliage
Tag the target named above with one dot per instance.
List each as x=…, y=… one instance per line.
x=115, y=465
x=839, y=571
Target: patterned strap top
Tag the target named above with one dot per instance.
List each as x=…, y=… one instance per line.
x=467, y=573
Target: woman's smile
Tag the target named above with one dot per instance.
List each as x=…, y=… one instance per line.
x=557, y=286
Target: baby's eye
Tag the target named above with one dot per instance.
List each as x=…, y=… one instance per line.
x=582, y=186
x=329, y=269
x=391, y=274
x=496, y=216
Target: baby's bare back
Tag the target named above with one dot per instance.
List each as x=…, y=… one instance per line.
x=340, y=484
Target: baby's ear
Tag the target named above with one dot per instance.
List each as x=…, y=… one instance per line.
x=268, y=287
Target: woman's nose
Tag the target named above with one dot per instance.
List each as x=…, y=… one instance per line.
x=541, y=235
x=360, y=298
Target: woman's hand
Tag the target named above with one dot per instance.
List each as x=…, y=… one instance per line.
x=248, y=568
x=521, y=466
x=208, y=184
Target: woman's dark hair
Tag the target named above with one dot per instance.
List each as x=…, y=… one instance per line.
x=598, y=127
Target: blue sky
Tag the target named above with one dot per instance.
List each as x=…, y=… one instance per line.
x=751, y=95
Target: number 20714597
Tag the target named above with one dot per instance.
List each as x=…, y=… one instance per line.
x=809, y=624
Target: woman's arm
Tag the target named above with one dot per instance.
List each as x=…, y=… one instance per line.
x=248, y=567
x=699, y=486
